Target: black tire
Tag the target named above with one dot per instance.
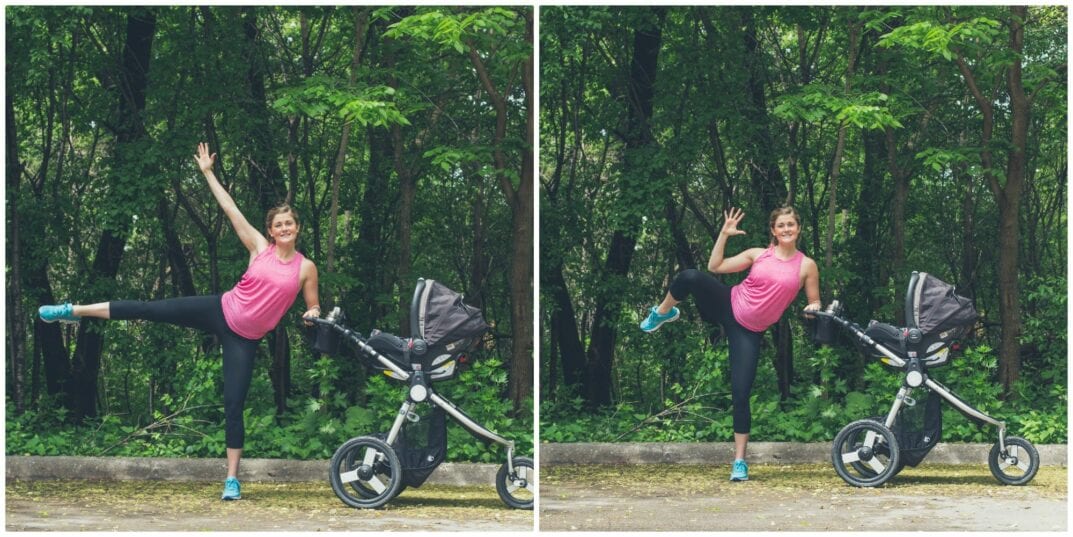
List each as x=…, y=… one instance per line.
x=871, y=444
x=371, y=462
x=1012, y=468
x=360, y=487
x=519, y=488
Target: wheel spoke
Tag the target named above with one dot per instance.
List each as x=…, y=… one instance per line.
x=876, y=465
x=376, y=484
x=1023, y=464
x=851, y=456
x=370, y=457
x=347, y=477
x=870, y=439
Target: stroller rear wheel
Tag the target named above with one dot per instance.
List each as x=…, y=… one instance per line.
x=1018, y=465
x=865, y=454
x=518, y=488
x=370, y=467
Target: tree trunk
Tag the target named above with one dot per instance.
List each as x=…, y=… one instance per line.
x=16, y=324
x=141, y=25
x=361, y=24
x=836, y=164
x=1009, y=201
x=564, y=324
x=647, y=40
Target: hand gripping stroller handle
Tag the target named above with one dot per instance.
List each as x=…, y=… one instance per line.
x=356, y=340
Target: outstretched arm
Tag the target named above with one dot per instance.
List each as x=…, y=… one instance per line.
x=252, y=239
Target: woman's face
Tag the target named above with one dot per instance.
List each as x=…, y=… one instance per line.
x=284, y=229
x=785, y=230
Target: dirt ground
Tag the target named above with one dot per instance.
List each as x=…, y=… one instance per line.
x=795, y=498
x=169, y=506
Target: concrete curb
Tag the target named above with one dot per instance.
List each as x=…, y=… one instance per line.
x=759, y=452
x=171, y=469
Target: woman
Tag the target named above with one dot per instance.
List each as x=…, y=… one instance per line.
x=239, y=317
x=746, y=310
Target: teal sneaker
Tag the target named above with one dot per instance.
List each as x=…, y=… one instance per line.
x=232, y=490
x=739, y=471
x=655, y=319
x=57, y=312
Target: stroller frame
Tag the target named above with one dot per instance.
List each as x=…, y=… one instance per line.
x=363, y=463
x=865, y=467
x=913, y=381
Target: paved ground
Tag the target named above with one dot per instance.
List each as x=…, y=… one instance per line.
x=677, y=497
x=77, y=505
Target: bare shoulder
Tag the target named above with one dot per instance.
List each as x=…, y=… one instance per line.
x=753, y=253
x=308, y=268
x=809, y=266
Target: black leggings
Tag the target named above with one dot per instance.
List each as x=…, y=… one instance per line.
x=205, y=313
x=712, y=298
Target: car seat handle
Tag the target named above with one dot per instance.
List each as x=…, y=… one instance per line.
x=415, y=307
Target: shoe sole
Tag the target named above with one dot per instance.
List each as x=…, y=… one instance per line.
x=62, y=321
x=663, y=322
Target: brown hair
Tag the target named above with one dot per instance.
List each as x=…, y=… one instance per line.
x=782, y=211
x=277, y=210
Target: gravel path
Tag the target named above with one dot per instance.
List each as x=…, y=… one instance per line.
x=169, y=506
x=795, y=498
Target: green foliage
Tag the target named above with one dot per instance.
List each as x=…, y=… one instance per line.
x=272, y=106
x=741, y=119
x=319, y=96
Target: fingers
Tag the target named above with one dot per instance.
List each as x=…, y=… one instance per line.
x=733, y=215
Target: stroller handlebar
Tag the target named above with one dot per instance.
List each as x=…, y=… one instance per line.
x=360, y=342
x=855, y=329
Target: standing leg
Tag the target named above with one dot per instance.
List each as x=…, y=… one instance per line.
x=239, y=355
x=744, y=354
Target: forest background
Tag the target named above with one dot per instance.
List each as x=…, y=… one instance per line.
x=402, y=136
x=925, y=139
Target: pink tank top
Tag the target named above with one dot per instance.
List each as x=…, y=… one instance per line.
x=263, y=295
x=771, y=286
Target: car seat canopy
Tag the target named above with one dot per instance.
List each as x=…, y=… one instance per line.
x=442, y=317
x=936, y=307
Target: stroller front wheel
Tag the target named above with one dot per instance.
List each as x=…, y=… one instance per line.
x=517, y=489
x=368, y=466
x=1018, y=465
x=865, y=454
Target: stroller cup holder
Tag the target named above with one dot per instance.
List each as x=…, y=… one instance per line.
x=869, y=452
x=369, y=471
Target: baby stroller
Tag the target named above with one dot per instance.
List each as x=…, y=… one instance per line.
x=869, y=452
x=369, y=471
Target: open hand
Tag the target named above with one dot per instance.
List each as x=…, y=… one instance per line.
x=205, y=161
x=730, y=226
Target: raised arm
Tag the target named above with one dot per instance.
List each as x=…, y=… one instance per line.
x=252, y=239
x=738, y=263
